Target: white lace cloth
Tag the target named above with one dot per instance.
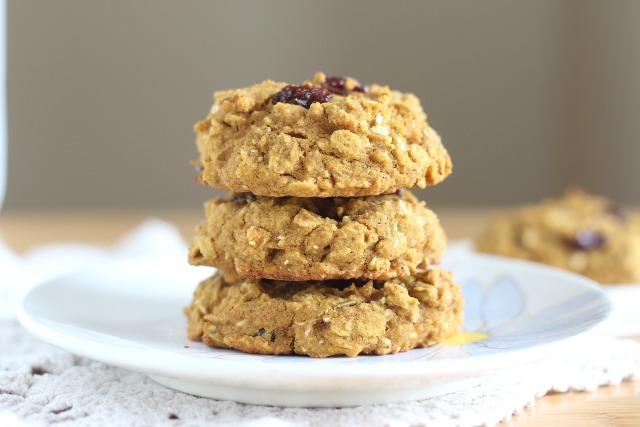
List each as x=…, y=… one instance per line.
x=43, y=385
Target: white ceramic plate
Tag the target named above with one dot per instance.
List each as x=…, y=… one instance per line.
x=625, y=297
x=130, y=315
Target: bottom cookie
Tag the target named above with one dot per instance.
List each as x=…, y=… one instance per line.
x=329, y=318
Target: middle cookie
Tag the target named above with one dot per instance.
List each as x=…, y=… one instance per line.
x=290, y=238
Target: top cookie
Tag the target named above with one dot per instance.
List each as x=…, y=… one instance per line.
x=330, y=137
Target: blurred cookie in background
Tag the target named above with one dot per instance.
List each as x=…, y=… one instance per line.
x=584, y=233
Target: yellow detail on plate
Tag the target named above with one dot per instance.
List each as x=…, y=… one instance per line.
x=466, y=338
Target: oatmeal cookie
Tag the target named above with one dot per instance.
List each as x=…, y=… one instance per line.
x=330, y=137
x=328, y=318
x=295, y=239
x=586, y=234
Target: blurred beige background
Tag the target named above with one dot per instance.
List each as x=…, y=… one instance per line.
x=528, y=96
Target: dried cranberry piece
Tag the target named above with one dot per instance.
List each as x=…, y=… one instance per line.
x=243, y=197
x=336, y=85
x=615, y=211
x=263, y=331
x=303, y=95
x=200, y=168
x=587, y=240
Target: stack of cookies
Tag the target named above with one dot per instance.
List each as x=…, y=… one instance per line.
x=320, y=249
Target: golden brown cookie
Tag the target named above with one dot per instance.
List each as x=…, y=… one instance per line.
x=291, y=238
x=328, y=138
x=579, y=232
x=323, y=319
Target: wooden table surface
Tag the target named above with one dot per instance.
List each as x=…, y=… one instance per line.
x=608, y=406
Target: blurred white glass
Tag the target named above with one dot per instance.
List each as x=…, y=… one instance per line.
x=3, y=100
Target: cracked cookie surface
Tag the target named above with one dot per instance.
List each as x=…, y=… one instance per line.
x=323, y=319
x=583, y=233
x=356, y=143
x=290, y=238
